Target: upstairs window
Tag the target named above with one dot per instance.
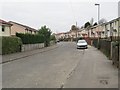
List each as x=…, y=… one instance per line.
x=3, y=28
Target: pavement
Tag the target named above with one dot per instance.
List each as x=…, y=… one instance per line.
x=60, y=66
x=19, y=55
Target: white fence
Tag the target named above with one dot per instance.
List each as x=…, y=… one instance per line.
x=28, y=47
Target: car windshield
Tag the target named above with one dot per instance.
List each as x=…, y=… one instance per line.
x=81, y=41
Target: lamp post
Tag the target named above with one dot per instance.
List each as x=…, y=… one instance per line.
x=98, y=11
x=98, y=23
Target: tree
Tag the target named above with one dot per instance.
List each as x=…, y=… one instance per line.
x=95, y=24
x=73, y=27
x=102, y=21
x=46, y=33
x=52, y=37
x=87, y=24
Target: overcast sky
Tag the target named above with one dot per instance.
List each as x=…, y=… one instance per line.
x=57, y=15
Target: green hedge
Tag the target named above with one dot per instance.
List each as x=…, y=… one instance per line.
x=30, y=38
x=52, y=37
x=11, y=45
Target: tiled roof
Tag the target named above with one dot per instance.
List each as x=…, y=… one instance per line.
x=4, y=22
x=32, y=29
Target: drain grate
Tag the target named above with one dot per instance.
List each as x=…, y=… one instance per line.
x=104, y=82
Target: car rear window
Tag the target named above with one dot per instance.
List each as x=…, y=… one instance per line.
x=81, y=41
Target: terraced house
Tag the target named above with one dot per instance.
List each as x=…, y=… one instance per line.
x=105, y=30
x=11, y=28
x=20, y=28
x=112, y=28
x=5, y=28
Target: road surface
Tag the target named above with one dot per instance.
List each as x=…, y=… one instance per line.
x=62, y=67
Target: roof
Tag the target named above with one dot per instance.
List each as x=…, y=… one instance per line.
x=27, y=27
x=4, y=22
x=113, y=20
x=60, y=33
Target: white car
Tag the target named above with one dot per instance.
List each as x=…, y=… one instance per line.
x=82, y=44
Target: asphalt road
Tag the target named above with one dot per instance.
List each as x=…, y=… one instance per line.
x=65, y=67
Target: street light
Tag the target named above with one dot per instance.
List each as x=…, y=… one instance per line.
x=98, y=22
x=98, y=11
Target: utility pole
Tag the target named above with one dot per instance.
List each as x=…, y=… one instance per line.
x=76, y=30
x=119, y=39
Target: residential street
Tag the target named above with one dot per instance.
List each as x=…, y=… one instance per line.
x=61, y=67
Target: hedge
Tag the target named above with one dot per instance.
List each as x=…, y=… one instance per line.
x=11, y=45
x=30, y=38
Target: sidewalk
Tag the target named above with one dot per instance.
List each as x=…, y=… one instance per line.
x=93, y=71
x=19, y=55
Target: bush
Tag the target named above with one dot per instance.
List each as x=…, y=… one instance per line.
x=52, y=38
x=11, y=45
x=30, y=38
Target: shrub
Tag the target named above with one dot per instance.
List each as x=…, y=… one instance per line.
x=30, y=38
x=11, y=45
x=52, y=37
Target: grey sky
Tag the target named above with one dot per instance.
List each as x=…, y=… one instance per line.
x=58, y=16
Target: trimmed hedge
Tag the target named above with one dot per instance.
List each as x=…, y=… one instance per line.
x=11, y=45
x=30, y=38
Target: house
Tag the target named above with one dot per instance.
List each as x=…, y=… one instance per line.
x=83, y=33
x=105, y=30
x=97, y=31
x=20, y=28
x=112, y=28
x=5, y=28
x=60, y=36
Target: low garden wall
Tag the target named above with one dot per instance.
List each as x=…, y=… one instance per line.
x=28, y=47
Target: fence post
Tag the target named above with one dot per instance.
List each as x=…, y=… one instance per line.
x=111, y=50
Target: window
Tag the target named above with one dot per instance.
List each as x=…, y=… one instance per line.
x=30, y=31
x=26, y=30
x=3, y=28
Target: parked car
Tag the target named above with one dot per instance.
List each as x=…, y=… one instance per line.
x=82, y=44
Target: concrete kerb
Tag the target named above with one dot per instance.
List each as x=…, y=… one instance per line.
x=24, y=56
